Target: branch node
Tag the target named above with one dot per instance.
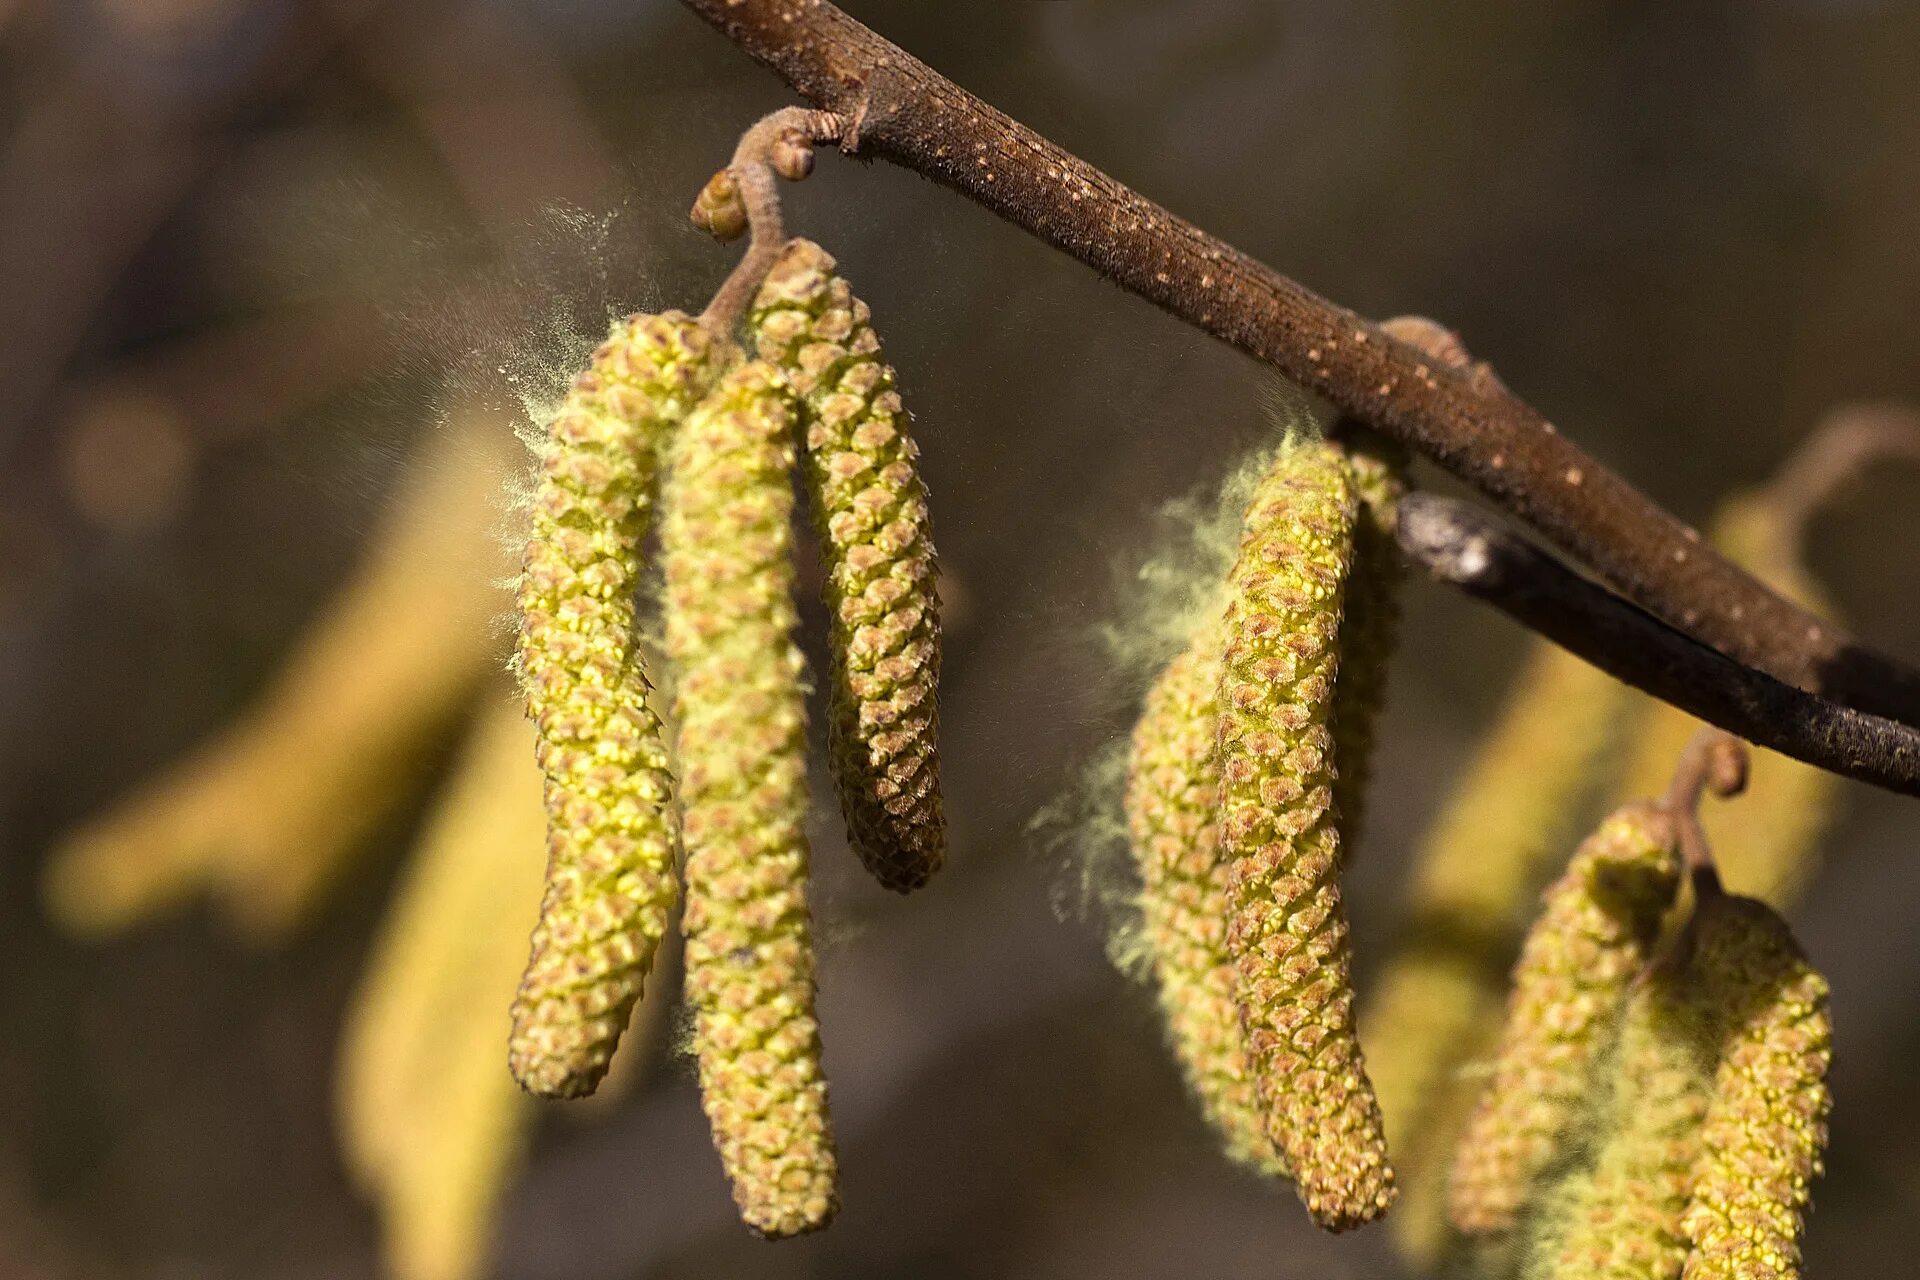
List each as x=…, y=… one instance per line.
x=745, y=196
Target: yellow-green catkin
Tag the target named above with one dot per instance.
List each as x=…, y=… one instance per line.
x=1172, y=801
x=1596, y=925
x=612, y=836
x=1619, y=1217
x=1434, y=1009
x=881, y=591
x=1278, y=830
x=271, y=814
x=1769, y=844
x=741, y=711
x=1370, y=625
x=1766, y=1125
x=430, y=1125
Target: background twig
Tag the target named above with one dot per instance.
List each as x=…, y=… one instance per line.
x=1466, y=549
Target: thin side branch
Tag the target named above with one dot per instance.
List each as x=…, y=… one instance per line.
x=1715, y=761
x=1461, y=417
x=752, y=173
x=1467, y=549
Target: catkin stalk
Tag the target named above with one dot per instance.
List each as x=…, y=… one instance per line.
x=1619, y=1218
x=1769, y=844
x=741, y=713
x=1595, y=928
x=1288, y=929
x=1171, y=802
x=612, y=836
x=881, y=591
x=1766, y=1125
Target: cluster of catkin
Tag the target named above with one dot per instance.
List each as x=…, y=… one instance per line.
x=1653, y=1105
x=672, y=414
x=1648, y=1116
x=1237, y=808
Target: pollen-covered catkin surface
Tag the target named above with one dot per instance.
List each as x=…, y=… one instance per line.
x=1172, y=796
x=1288, y=929
x=1595, y=928
x=1619, y=1218
x=1370, y=624
x=881, y=589
x=611, y=829
x=1769, y=844
x=1435, y=1006
x=1766, y=1125
x=741, y=713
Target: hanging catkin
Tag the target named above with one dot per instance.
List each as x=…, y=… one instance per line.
x=429, y=1124
x=1595, y=927
x=741, y=713
x=1370, y=625
x=1769, y=844
x=1288, y=930
x=1172, y=822
x=1519, y=804
x=611, y=830
x=1619, y=1218
x=871, y=510
x=1766, y=1125
x=272, y=813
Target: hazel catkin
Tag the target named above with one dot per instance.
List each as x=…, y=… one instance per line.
x=1435, y=1006
x=1596, y=925
x=1288, y=930
x=882, y=599
x=612, y=835
x=430, y=1125
x=741, y=713
x=1172, y=793
x=1766, y=1124
x=1370, y=623
x=1619, y=1217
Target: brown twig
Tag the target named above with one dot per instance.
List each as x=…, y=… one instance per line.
x=753, y=172
x=1467, y=549
x=1462, y=418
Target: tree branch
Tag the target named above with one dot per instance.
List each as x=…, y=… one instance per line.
x=1462, y=418
x=1465, y=548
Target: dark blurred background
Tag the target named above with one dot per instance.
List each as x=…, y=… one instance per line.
x=252, y=250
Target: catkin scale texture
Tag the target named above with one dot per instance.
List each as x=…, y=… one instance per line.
x=611, y=829
x=881, y=591
x=1766, y=1124
x=1519, y=803
x=1596, y=926
x=1370, y=623
x=1171, y=800
x=740, y=708
x=1288, y=931
x=1619, y=1218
